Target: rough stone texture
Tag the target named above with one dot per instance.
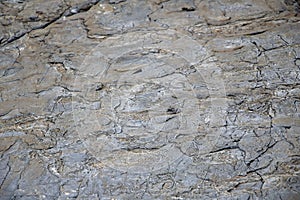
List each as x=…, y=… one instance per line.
x=156, y=99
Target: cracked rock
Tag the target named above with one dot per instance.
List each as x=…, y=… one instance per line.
x=156, y=99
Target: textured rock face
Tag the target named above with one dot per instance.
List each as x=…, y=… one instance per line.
x=149, y=99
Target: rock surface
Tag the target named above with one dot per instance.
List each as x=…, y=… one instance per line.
x=156, y=99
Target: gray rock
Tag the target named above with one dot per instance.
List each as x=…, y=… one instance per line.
x=157, y=99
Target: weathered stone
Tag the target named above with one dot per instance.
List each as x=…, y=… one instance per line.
x=156, y=99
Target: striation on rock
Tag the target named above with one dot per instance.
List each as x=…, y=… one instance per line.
x=156, y=99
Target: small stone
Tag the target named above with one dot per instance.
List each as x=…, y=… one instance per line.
x=106, y=8
x=99, y=87
x=297, y=62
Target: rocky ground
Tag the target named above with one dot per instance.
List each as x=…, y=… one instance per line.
x=156, y=99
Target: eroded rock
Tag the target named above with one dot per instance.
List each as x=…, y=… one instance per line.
x=158, y=99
